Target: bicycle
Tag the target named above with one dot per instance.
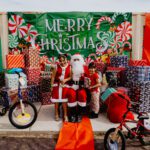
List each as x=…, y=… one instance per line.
x=22, y=114
x=115, y=136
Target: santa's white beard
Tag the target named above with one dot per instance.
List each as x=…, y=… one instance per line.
x=77, y=70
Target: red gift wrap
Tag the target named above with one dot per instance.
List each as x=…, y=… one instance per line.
x=33, y=75
x=142, y=62
x=15, y=61
x=32, y=58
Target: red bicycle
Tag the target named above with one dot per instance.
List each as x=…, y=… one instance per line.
x=115, y=138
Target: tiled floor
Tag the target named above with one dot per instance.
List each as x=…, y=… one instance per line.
x=46, y=122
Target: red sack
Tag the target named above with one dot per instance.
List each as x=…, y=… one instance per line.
x=117, y=106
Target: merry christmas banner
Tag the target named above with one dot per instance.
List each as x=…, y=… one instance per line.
x=72, y=32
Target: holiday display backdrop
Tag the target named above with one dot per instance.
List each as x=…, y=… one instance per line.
x=72, y=32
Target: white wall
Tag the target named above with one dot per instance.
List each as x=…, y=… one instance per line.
x=76, y=5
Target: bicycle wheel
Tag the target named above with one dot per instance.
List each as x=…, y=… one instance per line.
x=3, y=107
x=22, y=121
x=144, y=136
x=118, y=144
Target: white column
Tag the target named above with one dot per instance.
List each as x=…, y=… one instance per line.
x=4, y=37
x=138, y=37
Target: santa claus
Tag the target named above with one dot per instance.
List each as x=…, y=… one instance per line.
x=77, y=94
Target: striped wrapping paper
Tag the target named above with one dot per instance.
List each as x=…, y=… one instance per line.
x=46, y=96
x=32, y=58
x=137, y=62
x=33, y=75
x=15, y=61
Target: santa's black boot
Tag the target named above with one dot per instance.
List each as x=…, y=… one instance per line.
x=72, y=114
x=79, y=114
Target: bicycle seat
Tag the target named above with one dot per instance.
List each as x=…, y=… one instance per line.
x=14, y=70
x=143, y=117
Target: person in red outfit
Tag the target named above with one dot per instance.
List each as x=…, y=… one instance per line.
x=94, y=87
x=60, y=77
x=77, y=94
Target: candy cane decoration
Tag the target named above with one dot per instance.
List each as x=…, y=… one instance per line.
x=88, y=60
x=31, y=33
x=53, y=60
x=118, y=14
x=12, y=41
x=117, y=43
x=17, y=26
x=44, y=59
x=124, y=31
x=128, y=43
x=104, y=18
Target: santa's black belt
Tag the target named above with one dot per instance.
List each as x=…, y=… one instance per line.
x=78, y=82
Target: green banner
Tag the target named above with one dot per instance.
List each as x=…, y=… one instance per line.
x=72, y=32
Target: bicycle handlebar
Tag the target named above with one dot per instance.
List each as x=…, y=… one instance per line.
x=18, y=73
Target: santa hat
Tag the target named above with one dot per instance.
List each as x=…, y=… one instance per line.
x=77, y=56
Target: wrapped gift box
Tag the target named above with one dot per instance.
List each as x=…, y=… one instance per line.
x=33, y=93
x=139, y=91
x=15, y=61
x=100, y=66
x=12, y=81
x=32, y=58
x=11, y=96
x=137, y=62
x=48, y=67
x=45, y=84
x=33, y=75
x=2, y=79
x=138, y=73
x=119, y=61
x=46, y=96
x=46, y=74
x=115, y=76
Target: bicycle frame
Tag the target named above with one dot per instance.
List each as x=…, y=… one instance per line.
x=139, y=123
x=20, y=97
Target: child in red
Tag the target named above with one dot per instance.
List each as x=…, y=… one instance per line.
x=94, y=88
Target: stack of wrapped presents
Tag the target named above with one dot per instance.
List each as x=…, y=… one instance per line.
x=132, y=77
x=37, y=82
x=129, y=76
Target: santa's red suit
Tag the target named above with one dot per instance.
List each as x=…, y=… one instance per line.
x=77, y=94
x=59, y=93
